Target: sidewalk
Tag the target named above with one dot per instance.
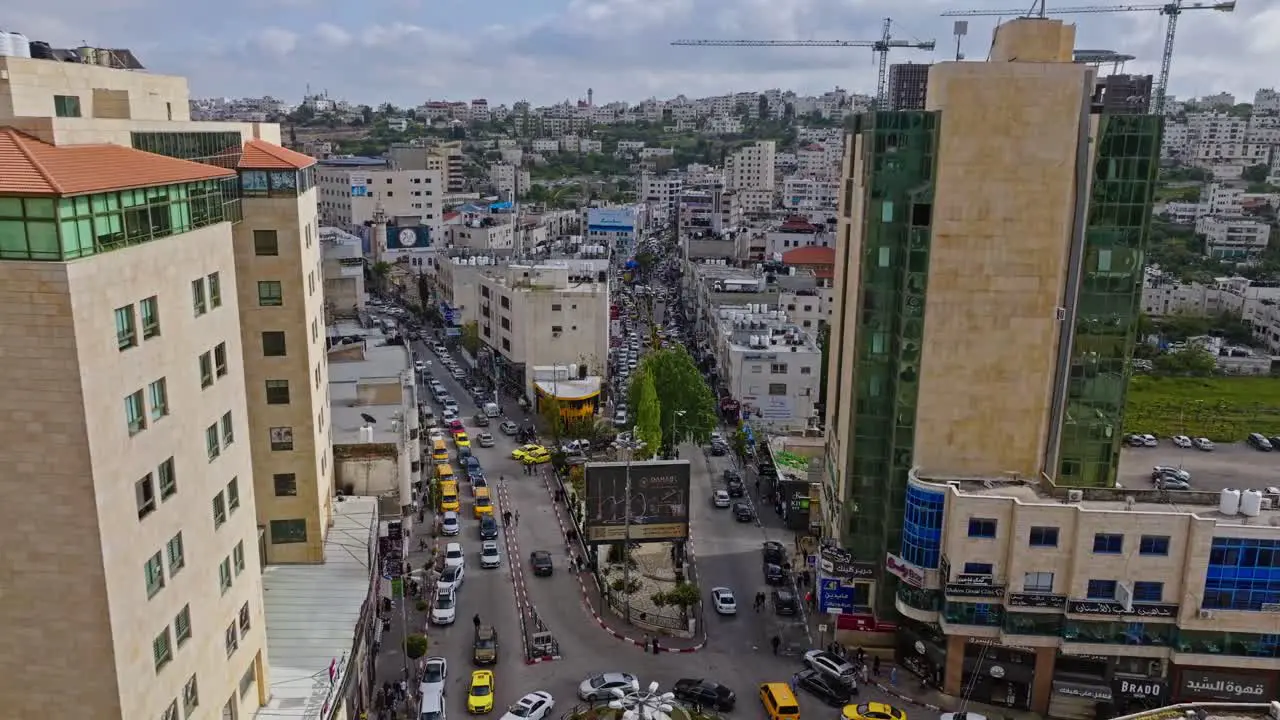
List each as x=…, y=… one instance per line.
x=912, y=691
x=391, y=665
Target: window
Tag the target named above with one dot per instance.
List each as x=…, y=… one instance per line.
x=273, y=343
x=126, y=328
x=286, y=484
x=975, y=568
x=1037, y=582
x=1044, y=537
x=982, y=527
x=219, y=510
x=198, y=300
x=237, y=557
x=555, y=307
x=228, y=429
x=777, y=389
x=281, y=439
x=220, y=359
x=153, y=574
x=266, y=242
x=159, y=395
x=1108, y=544
x=1153, y=545
x=270, y=294
x=557, y=329
x=145, y=492
x=778, y=369
x=806, y=370
x=1101, y=590
x=162, y=649
x=232, y=639
x=66, y=106
x=277, y=392
x=224, y=575
x=211, y=443
x=1148, y=591
x=190, y=697
x=150, y=308
x=177, y=556
x=215, y=290
x=233, y=494
x=182, y=625
x=244, y=618
x=135, y=411
x=206, y=369
x=168, y=480
x=284, y=532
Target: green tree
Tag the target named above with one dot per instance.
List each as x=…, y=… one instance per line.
x=686, y=403
x=471, y=337
x=549, y=409
x=381, y=271
x=1193, y=361
x=648, y=414
x=1255, y=173
x=415, y=646
x=824, y=344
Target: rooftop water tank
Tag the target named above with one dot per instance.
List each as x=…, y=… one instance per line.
x=88, y=55
x=1229, y=501
x=104, y=57
x=366, y=433
x=1251, y=503
x=19, y=45
x=6, y=43
x=41, y=50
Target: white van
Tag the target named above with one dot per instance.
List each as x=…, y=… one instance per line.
x=492, y=410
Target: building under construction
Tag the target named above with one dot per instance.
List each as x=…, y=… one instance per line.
x=1122, y=94
x=907, y=85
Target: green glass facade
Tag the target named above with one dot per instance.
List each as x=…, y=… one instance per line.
x=887, y=300
x=1109, y=300
x=60, y=229
x=220, y=149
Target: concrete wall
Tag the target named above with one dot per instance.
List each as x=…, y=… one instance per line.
x=369, y=476
x=27, y=87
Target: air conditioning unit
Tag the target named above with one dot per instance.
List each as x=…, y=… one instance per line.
x=1075, y=496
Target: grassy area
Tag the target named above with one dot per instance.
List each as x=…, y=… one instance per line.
x=1223, y=409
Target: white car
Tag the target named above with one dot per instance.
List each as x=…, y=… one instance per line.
x=1203, y=443
x=620, y=419
x=436, y=434
x=449, y=525
x=459, y=373
x=452, y=578
x=721, y=499
x=724, y=601
x=534, y=706
x=489, y=555
x=1181, y=441
x=445, y=610
x=451, y=406
x=453, y=556
x=448, y=415
x=420, y=365
x=434, y=675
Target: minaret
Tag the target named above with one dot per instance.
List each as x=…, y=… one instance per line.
x=590, y=97
x=378, y=240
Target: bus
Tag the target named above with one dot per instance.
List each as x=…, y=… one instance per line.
x=449, y=496
x=483, y=503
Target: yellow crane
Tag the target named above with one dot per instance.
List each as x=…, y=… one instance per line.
x=1172, y=10
x=880, y=47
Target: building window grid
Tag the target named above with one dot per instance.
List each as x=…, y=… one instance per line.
x=270, y=293
x=182, y=625
x=219, y=510
x=126, y=328
x=1101, y=590
x=177, y=554
x=1243, y=574
x=135, y=412
x=162, y=649
x=922, y=527
x=1153, y=545
x=214, y=281
x=153, y=574
x=233, y=494
x=228, y=429
x=149, y=308
x=1148, y=591
x=220, y=359
x=212, y=446
x=198, y=300
x=982, y=528
x=168, y=479
x=1043, y=537
x=159, y=396
x=1108, y=544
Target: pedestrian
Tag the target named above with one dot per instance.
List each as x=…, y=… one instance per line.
x=403, y=690
x=860, y=654
x=476, y=621
x=893, y=675
x=865, y=674
x=656, y=649
x=775, y=641
x=875, y=666
x=517, y=516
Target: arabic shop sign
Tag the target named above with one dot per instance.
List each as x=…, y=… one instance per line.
x=1036, y=600
x=838, y=563
x=1210, y=685
x=1104, y=607
x=960, y=589
x=1143, y=688
x=909, y=573
x=1097, y=693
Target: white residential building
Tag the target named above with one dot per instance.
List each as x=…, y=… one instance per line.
x=751, y=167
x=819, y=160
x=510, y=182
x=801, y=193
x=544, y=145
x=348, y=196
x=1266, y=100
x=809, y=308
x=724, y=126
x=660, y=193
x=587, y=145
x=770, y=365
x=1234, y=238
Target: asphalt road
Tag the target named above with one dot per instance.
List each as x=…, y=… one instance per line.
x=1229, y=465
x=727, y=553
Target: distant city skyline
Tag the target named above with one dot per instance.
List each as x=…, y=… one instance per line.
x=550, y=51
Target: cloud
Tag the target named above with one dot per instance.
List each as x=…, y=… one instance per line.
x=553, y=50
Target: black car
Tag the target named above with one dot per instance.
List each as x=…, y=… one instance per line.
x=826, y=689
x=742, y=512
x=540, y=560
x=705, y=693
x=784, y=602
x=718, y=448
x=734, y=486
x=1259, y=442
x=774, y=552
x=488, y=527
x=774, y=574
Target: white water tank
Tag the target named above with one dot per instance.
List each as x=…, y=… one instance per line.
x=19, y=45
x=6, y=43
x=366, y=433
x=1229, y=501
x=1251, y=503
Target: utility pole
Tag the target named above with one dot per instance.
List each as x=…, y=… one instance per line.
x=626, y=522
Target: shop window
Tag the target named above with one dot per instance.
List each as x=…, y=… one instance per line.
x=973, y=568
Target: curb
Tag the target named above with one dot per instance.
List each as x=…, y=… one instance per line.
x=898, y=694
x=586, y=599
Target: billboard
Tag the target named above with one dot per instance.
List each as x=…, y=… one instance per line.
x=408, y=238
x=611, y=219
x=659, y=502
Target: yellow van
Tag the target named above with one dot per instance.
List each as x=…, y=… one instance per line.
x=779, y=702
x=439, y=452
x=444, y=473
x=483, y=503
x=449, y=497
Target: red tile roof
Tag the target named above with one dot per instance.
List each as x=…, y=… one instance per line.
x=262, y=155
x=33, y=167
x=811, y=255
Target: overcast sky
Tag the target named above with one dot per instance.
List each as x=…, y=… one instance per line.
x=544, y=51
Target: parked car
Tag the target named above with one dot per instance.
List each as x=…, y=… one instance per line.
x=534, y=706
x=1258, y=441
x=1181, y=441
x=489, y=555
x=828, y=663
x=1203, y=443
x=724, y=601
x=445, y=610
x=540, y=561
x=602, y=685
x=720, y=498
x=1170, y=482
x=480, y=420
x=774, y=574
x=742, y=512
x=452, y=577
x=774, y=552
x=453, y=555
x=829, y=690
x=784, y=602
x=435, y=673
x=735, y=486
x=449, y=524
x=704, y=693
x=1163, y=471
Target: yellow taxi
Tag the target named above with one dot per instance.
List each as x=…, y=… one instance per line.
x=480, y=695
x=536, y=457
x=872, y=711
x=521, y=452
x=461, y=440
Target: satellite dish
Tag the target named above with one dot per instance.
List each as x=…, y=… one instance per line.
x=369, y=419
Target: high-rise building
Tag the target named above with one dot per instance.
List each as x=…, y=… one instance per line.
x=908, y=83
x=988, y=277
x=1122, y=94
x=161, y=318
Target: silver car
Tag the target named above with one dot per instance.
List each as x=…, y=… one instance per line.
x=828, y=664
x=601, y=687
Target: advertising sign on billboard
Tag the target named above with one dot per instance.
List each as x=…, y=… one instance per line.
x=659, y=502
x=408, y=238
x=833, y=597
x=611, y=218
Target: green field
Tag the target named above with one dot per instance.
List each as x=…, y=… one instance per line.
x=1221, y=409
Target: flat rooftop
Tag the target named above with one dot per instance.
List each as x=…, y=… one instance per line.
x=792, y=455
x=1211, y=711
x=313, y=613
x=381, y=364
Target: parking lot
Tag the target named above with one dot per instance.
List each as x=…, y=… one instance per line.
x=1235, y=465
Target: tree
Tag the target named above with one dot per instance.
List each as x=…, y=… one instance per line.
x=824, y=345
x=687, y=407
x=648, y=414
x=549, y=409
x=1255, y=173
x=1193, y=361
x=471, y=337
x=381, y=271
x=415, y=646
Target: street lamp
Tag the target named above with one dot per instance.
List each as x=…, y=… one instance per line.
x=674, y=415
x=631, y=446
x=646, y=704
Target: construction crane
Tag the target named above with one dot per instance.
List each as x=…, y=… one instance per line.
x=880, y=47
x=1170, y=9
